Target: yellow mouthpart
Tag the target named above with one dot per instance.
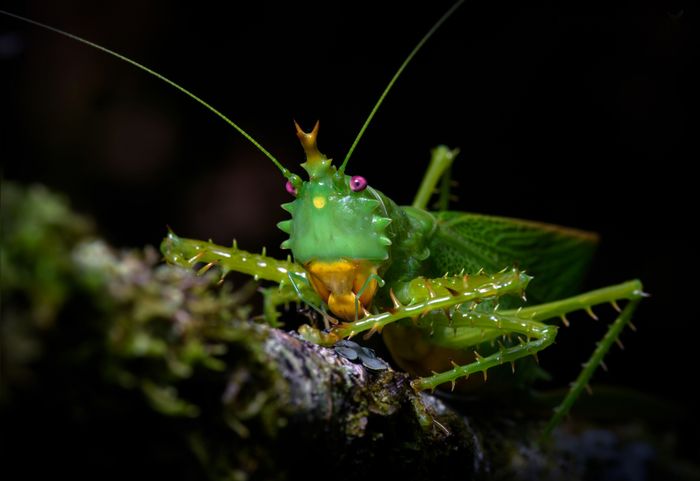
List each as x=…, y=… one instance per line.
x=338, y=283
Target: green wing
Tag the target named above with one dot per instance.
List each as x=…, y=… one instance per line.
x=557, y=257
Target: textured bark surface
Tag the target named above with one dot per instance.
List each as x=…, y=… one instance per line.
x=339, y=417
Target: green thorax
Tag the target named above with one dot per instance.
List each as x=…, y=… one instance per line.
x=331, y=221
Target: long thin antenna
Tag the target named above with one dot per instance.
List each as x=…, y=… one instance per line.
x=396, y=76
x=245, y=134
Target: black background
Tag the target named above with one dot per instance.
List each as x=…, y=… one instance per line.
x=574, y=116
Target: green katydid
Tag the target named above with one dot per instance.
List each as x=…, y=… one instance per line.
x=434, y=283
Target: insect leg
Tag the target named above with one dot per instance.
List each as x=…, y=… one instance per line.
x=291, y=277
x=630, y=291
x=273, y=297
x=420, y=296
x=440, y=161
x=364, y=287
x=306, y=293
x=534, y=336
x=190, y=252
x=444, y=195
x=592, y=364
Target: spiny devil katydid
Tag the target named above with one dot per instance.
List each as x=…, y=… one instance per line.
x=442, y=287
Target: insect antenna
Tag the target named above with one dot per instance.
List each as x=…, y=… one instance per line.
x=405, y=63
x=194, y=97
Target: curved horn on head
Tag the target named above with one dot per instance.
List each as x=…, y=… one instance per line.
x=308, y=141
x=316, y=162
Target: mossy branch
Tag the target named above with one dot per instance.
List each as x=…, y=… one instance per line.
x=114, y=361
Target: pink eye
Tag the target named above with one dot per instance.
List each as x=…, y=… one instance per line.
x=290, y=188
x=358, y=183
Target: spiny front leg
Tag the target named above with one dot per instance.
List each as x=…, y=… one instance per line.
x=189, y=252
x=420, y=296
